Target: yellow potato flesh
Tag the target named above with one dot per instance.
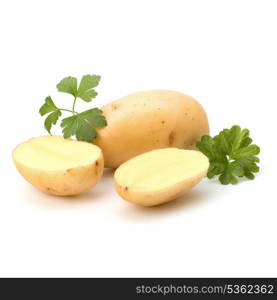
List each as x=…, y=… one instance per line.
x=160, y=175
x=59, y=166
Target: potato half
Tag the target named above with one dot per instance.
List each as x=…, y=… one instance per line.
x=160, y=175
x=59, y=166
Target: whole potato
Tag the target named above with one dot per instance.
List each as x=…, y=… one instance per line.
x=150, y=120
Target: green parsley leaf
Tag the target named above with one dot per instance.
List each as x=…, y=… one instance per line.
x=85, y=90
x=51, y=120
x=83, y=125
x=69, y=126
x=94, y=117
x=231, y=155
x=85, y=132
x=47, y=107
x=68, y=85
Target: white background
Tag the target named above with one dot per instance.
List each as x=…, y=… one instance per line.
x=223, y=53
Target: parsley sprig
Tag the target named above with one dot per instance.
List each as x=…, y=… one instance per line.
x=231, y=155
x=81, y=125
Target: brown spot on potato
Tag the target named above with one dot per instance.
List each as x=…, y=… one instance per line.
x=126, y=188
x=163, y=122
x=186, y=113
x=51, y=190
x=96, y=167
x=69, y=170
x=171, y=137
x=114, y=107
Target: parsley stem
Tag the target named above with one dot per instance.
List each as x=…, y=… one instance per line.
x=73, y=107
x=63, y=109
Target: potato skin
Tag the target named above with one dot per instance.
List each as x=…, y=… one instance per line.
x=150, y=120
x=68, y=183
x=155, y=198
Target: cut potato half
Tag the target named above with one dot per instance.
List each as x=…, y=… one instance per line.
x=59, y=166
x=160, y=175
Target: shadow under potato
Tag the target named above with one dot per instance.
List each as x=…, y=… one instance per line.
x=191, y=198
x=94, y=194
